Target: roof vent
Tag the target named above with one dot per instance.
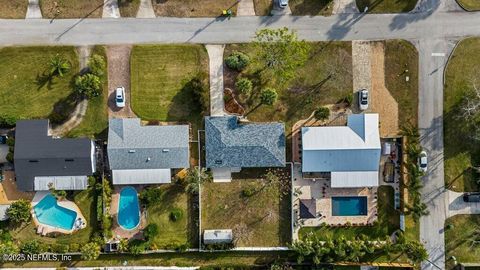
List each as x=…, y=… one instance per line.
x=218, y=161
x=166, y=150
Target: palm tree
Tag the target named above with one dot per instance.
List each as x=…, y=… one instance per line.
x=195, y=177
x=418, y=209
x=58, y=66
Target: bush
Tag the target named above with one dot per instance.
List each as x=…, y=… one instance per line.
x=137, y=246
x=88, y=85
x=219, y=246
x=9, y=157
x=91, y=181
x=99, y=208
x=74, y=247
x=151, y=196
x=60, y=248
x=244, y=85
x=349, y=99
x=107, y=226
x=97, y=65
x=31, y=247
x=7, y=121
x=176, y=214
x=19, y=211
x=322, y=113
x=151, y=231
x=268, y=96
x=249, y=191
x=237, y=61
x=11, y=141
x=90, y=251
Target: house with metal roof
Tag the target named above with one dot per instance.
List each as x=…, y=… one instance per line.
x=146, y=154
x=350, y=154
x=43, y=162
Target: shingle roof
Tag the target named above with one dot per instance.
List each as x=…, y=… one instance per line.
x=233, y=144
x=133, y=146
x=38, y=154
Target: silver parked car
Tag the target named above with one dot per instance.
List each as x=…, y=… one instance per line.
x=423, y=161
x=363, y=99
x=120, y=97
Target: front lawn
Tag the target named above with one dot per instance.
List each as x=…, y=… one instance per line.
x=159, y=74
x=462, y=240
x=260, y=220
x=470, y=5
x=172, y=234
x=128, y=8
x=461, y=150
x=13, y=9
x=95, y=122
x=401, y=60
x=388, y=221
x=193, y=8
x=25, y=91
x=298, y=7
x=85, y=200
x=386, y=6
x=71, y=8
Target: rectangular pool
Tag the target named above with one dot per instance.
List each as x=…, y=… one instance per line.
x=349, y=206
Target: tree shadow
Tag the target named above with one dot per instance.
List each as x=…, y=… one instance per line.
x=43, y=80
x=62, y=109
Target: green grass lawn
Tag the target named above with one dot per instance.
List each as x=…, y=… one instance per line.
x=260, y=220
x=388, y=221
x=158, y=76
x=85, y=200
x=172, y=233
x=311, y=7
x=386, y=6
x=71, y=8
x=459, y=239
x=24, y=91
x=401, y=60
x=193, y=8
x=262, y=7
x=13, y=9
x=128, y=8
x=470, y=5
x=95, y=122
x=461, y=150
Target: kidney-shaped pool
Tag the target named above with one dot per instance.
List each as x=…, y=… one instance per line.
x=128, y=209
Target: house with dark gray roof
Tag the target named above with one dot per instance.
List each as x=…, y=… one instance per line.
x=232, y=145
x=42, y=162
x=146, y=154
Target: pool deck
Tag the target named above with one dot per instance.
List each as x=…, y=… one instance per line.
x=118, y=231
x=45, y=229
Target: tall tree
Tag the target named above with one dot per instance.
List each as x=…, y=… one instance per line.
x=195, y=177
x=19, y=211
x=280, y=53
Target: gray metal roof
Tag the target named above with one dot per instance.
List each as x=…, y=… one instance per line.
x=233, y=144
x=133, y=146
x=38, y=154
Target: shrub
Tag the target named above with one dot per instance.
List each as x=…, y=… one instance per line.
x=219, y=246
x=99, y=208
x=137, y=246
x=150, y=196
x=237, y=61
x=60, y=248
x=7, y=121
x=182, y=247
x=322, y=113
x=19, y=211
x=97, y=65
x=151, y=231
x=91, y=181
x=244, y=85
x=349, y=99
x=249, y=191
x=268, y=96
x=88, y=85
x=11, y=141
x=31, y=247
x=74, y=247
x=176, y=214
x=9, y=157
x=90, y=251
x=107, y=226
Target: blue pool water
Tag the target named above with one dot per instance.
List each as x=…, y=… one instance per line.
x=50, y=213
x=349, y=206
x=128, y=209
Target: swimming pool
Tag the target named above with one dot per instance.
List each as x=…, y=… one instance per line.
x=128, y=209
x=48, y=212
x=349, y=206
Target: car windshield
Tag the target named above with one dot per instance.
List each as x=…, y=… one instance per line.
x=119, y=99
x=364, y=102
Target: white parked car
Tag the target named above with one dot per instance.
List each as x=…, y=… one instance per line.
x=423, y=161
x=363, y=99
x=282, y=4
x=120, y=97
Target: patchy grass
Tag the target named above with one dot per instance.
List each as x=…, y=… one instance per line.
x=401, y=60
x=172, y=233
x=95, y=122
x=128, y=8
x=461, y=150
x=260, y=220
x=459, y=239
x=193, y=8
x=412, y=228
x=13, y=9
x=311, y=7
x=388, y=221
x=262, y=7
x=470, y=5
x=25, y=91
x=158, y=76
x=85, y=200
x=386, y=6
x=71, y=8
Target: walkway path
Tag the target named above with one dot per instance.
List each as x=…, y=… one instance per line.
x=33, y=10
x=145, y=10
x=245, y=8
x=456, y=205
x=80, y=110
x=344, y=6
x=110, y=9
x=215, y=54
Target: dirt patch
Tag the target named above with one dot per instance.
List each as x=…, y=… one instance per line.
x=232, y=106
x=119, y=75
x=381, y=101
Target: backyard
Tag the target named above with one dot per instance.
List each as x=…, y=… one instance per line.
x=462, y=238
x=160, y=80
x=26, y=91
x=193, y=8
x=258, y=219
x=71, y=8
x=461, y=149
x=95, y=122
x=13, y=9
x=386, y=6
